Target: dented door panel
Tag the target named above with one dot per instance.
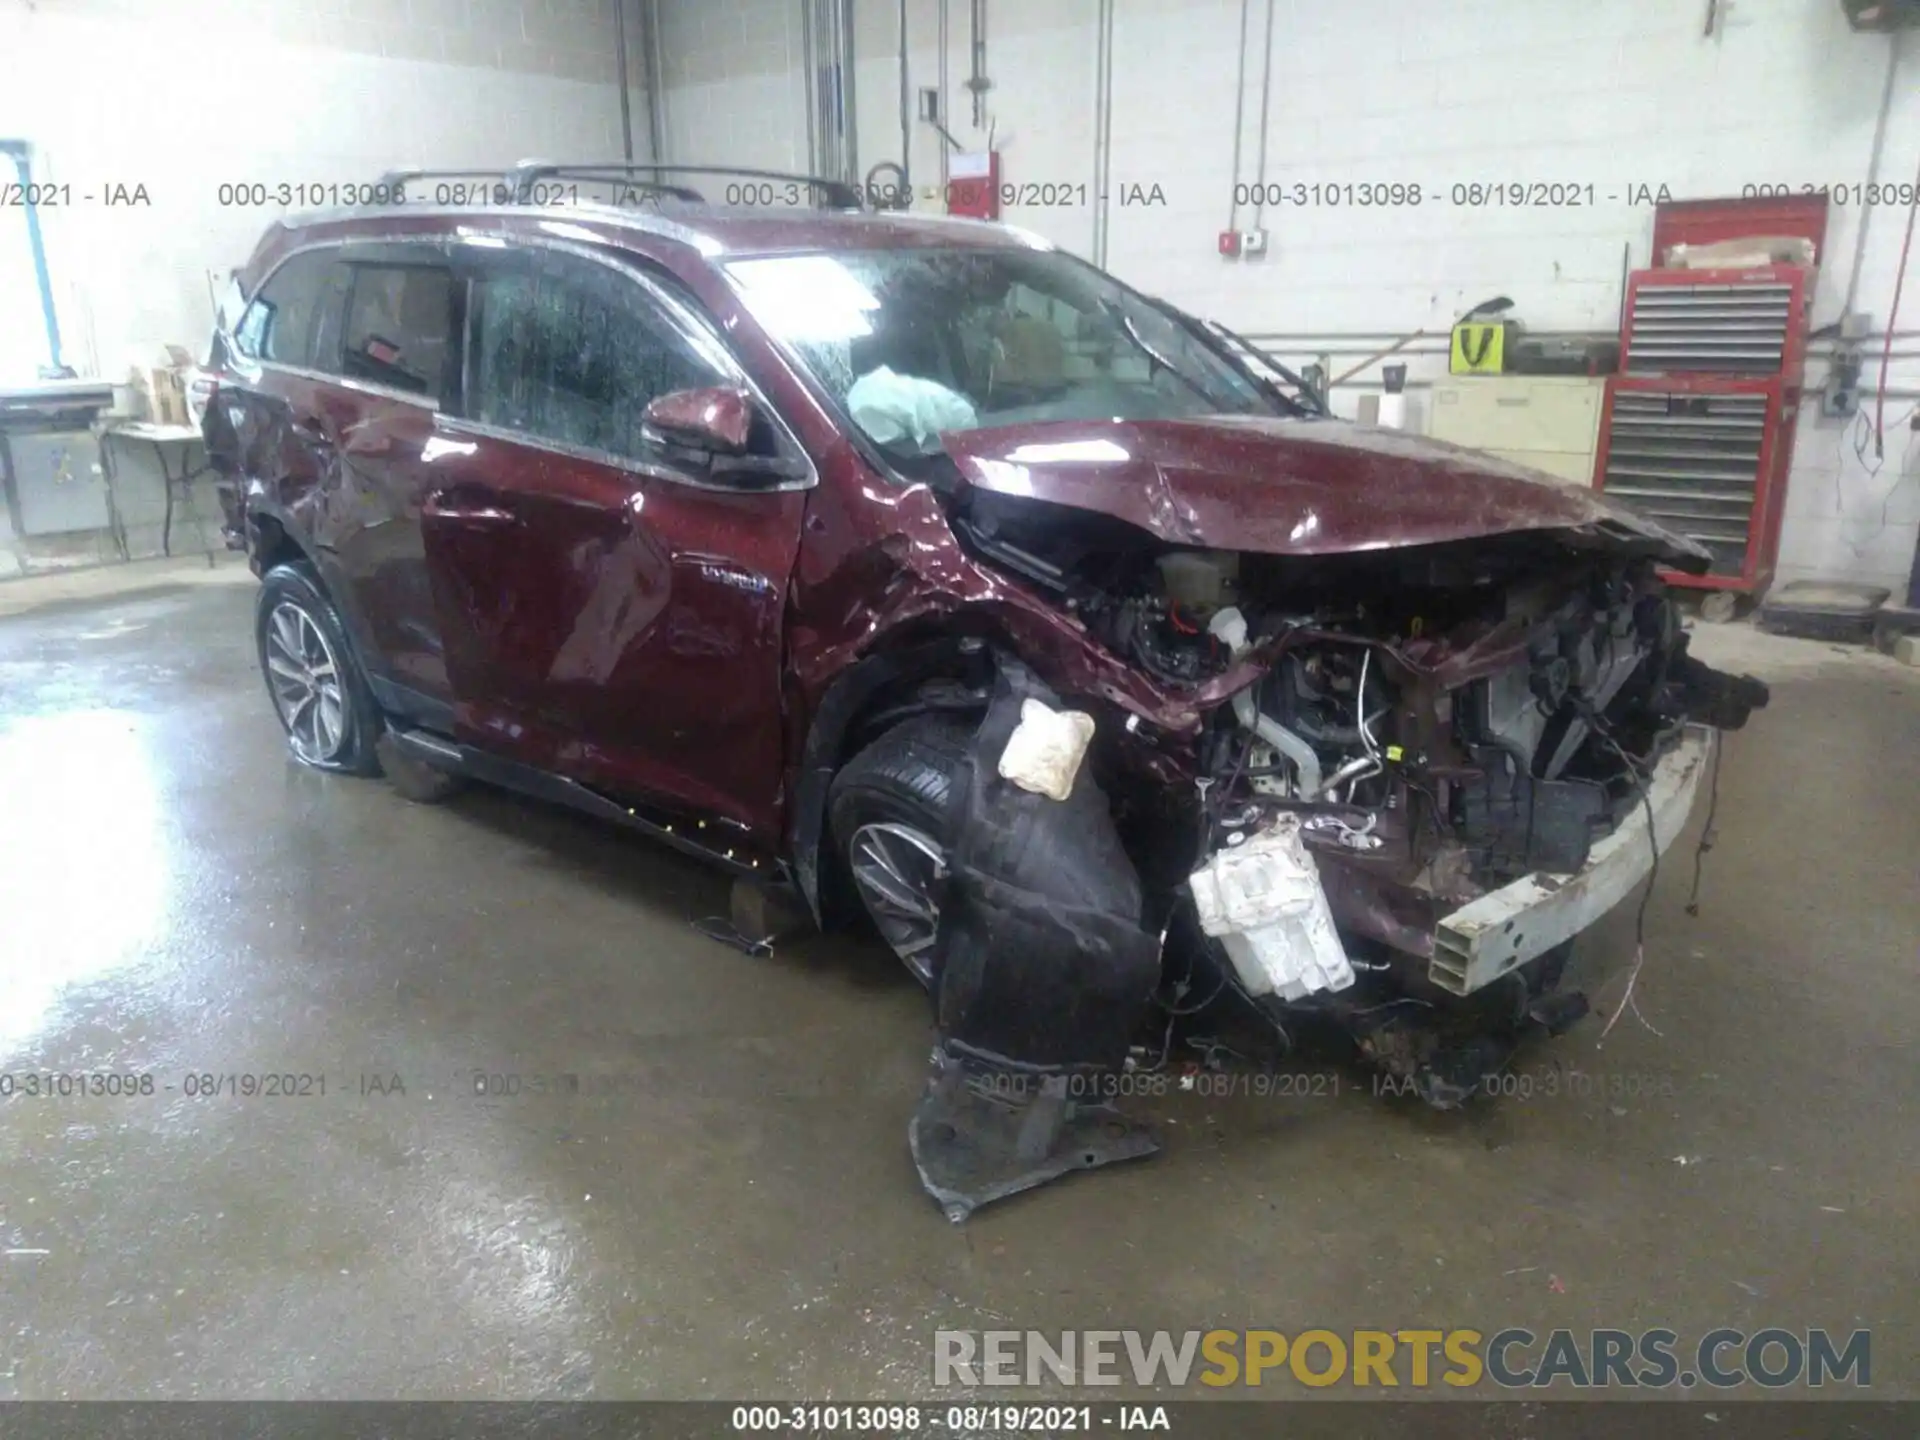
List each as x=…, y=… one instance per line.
x=372, y=507
x=620, y=628
x=287, y=440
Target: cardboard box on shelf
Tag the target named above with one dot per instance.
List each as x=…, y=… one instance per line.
x=167, y=388
x=167, y=397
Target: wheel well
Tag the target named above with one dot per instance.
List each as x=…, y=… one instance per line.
x=952, y=674
x=272, y=546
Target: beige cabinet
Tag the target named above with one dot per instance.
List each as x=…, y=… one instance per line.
x=1551, y=422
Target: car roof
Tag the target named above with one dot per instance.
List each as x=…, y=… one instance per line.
x=715, y=232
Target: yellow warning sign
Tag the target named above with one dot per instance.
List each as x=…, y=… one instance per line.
x=1479, y=347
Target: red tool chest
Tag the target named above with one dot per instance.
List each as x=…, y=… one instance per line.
x=1697, y=430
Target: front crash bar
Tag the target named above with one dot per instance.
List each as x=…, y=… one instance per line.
x=1487, y=937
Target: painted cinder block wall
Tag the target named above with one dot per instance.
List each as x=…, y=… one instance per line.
x=186, y=96
x=172, y=101
x=1617, y=96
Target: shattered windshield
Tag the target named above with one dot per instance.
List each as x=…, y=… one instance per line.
x=914, y=342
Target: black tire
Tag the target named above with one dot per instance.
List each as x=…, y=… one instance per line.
x=291, y=594
x=905, y=778
x=906, y=775
x=415, y=779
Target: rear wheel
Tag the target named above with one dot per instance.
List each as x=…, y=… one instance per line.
x=887, y=811
x=312, y=675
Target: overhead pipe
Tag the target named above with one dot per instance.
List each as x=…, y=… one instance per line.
x=906, y=103
x=945, y=115
x=1266, y=95
x=626, y=101
x=1239, y=117
x=827, y=70
x=826, y=148
x=849, y=129
x=823, y=83
x=977, y=81
x=656, y=70
x=1102, y=129
x=809, y=65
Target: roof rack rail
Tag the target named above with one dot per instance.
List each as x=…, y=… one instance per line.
x=837, y=194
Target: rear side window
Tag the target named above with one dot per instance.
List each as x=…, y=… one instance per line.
x=572, y=352
x=400, y=327
x=284, y=317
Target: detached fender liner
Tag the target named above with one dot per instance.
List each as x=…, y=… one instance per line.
x=1042, y=977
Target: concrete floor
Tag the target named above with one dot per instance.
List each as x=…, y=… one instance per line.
x=739, y=1217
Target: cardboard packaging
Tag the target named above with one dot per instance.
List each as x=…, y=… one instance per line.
x=167, y=388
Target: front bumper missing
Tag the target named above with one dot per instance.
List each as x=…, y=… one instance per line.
x=1486, y=938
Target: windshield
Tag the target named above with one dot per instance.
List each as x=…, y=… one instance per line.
x=914, y=342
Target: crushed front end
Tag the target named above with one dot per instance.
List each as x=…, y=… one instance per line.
x=1416, y=775
x=1481, y=749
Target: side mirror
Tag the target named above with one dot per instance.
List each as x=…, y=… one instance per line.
x=718, y=419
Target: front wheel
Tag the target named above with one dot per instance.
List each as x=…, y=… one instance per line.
x=887, y=811
x=312, y=675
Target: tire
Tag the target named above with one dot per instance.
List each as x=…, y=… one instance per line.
x=303, y=646
x=886, y=811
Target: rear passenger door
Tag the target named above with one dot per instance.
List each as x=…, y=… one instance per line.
x=612, y=611
x=396, y=354
x=335, y=383
x=264, y=430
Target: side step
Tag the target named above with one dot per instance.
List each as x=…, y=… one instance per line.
x=729, y=848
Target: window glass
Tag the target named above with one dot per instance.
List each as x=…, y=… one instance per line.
x=279, y=325
x=917, y=342
x=400, y=327
x=573, y=352
x=329, y=316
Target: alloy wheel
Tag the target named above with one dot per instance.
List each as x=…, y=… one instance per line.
x=897, y=870
x=304, y=675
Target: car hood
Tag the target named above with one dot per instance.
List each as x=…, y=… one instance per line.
x=1291, y=487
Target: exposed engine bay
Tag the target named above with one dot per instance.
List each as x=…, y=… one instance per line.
x=1391, y=743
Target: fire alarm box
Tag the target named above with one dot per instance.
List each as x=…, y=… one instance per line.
x=973, y=184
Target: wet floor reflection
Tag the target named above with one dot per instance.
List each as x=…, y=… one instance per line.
x=83, y=859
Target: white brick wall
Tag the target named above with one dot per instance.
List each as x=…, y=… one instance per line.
x=735, y=84
x=1618, y=94
x=184, y=96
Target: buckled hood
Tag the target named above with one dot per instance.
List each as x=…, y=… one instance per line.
x=1293, y=487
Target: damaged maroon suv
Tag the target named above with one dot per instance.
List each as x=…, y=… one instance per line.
x=921, y=569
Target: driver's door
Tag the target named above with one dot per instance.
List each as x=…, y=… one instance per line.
x=612, y=608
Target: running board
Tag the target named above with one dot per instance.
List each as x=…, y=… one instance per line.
x=740, y=857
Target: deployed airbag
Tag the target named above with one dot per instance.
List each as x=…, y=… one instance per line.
x=892, y=408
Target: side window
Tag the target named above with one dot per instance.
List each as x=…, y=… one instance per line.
x=399, y=330
x=280, y=323
x=571, y=351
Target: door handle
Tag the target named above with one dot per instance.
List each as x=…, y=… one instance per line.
x=471, y=506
